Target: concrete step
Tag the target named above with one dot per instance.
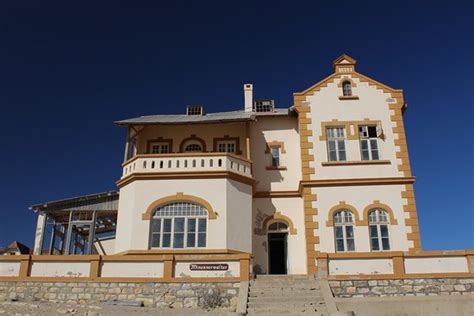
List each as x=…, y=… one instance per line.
x=286, y=311
x=284, y=277
x=285, y=295
x=295, y=288
x=286, y=285
x=281, y=284
x=286, y=299
x=288, y=305
x=264, y=313
x=284, y=292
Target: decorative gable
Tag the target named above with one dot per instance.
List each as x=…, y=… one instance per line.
x=344, y=64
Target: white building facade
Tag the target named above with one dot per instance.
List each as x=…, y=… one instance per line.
x=330, y=174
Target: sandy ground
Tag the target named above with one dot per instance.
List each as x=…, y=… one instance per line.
x=47, y=309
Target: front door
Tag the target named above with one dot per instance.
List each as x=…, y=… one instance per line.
x=277, y=253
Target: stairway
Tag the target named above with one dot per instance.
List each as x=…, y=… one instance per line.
x=285, y=295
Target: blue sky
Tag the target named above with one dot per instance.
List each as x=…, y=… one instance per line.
x=68, y=70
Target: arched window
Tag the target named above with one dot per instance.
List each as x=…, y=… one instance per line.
x=346, y=88
x=344, y=230
x=179, y=225
x=194, y=147
x=277, y=227
x=378, y=230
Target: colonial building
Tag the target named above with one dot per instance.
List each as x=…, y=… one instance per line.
x=330, y=174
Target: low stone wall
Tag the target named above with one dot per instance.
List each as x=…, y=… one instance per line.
x=173, y=295
x=401, y=287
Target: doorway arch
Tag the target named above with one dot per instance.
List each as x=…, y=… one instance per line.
x=277, y=241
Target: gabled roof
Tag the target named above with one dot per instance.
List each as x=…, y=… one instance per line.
x=18, y=245
x=232, y=116
x=344, y=60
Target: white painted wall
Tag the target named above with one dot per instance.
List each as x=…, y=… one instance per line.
x=60, y=269
x=239, y=216
x=133, y=232
x=434, y=265
x=292, y=208
x=372, y=104
x=182, y=270
x=9, y=268
x=105, y=246
x=132, y=269
x=360, y=266
x=360, y=197
x=268, y=129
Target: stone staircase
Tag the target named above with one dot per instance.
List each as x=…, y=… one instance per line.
x=285, y=295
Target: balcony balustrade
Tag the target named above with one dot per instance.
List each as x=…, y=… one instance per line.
x=187, y=162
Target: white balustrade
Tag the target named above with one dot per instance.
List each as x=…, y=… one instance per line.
x=168, y=163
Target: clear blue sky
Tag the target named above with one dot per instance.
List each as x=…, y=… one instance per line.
x=67, y=71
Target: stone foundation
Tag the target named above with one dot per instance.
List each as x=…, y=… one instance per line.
x=173, y=295
x=401, y=287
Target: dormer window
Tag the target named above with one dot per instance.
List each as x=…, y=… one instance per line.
x=347, y=89
x=195, y=110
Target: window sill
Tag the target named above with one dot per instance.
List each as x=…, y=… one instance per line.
x=348, y=97
x=276, y=168
x=355, y=163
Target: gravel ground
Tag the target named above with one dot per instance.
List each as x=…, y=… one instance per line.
x=100, y=309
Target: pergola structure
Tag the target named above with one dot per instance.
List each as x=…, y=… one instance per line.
x=76, y=226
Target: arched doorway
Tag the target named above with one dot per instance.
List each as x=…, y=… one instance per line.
x=277, y=248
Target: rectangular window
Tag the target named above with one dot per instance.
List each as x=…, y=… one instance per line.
x=379, y=239
x=344, y=235
x=350, y=238
x=374, y=239
x=178, y=232
x=226, y=146
x=336, y=144
x=275, y=151
x=159, y=148
x=166, y=242
x=132, y=148
x=202, y=227
x=368, y=143
x=155, y=233
x=339, y=238
x=191, y=241
x=384, y=236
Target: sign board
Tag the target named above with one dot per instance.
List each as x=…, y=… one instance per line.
x=208, y=267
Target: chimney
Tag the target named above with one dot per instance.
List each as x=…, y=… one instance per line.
x=248, y=97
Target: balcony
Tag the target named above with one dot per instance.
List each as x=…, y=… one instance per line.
x=183, y=164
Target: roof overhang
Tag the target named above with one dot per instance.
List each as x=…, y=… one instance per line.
x=106, y=201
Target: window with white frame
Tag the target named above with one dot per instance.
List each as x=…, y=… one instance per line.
x=336, y=143
x=378, y=230
x=159, y=148
x=369, y=148
x=226, y=146
x=275, y=152
x=179, y=225
x=344, y=230
x=347, y=89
